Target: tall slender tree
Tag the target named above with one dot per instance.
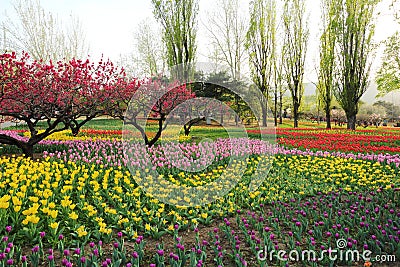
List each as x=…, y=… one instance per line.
x=326, y=73
x=228, y=36
x=296, y=40
x=179, y=22
x=261, y=45
x=354, y=53
x=227, y=32
x=278, y=82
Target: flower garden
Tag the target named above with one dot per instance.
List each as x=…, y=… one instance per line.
x=77, y=204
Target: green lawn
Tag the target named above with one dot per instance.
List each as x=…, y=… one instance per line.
x=196, y=132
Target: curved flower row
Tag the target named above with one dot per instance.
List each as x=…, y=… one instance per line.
x=368, y=142
x=110, y=152
x=53, y=195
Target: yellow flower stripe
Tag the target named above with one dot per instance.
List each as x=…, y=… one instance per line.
x=54, y=194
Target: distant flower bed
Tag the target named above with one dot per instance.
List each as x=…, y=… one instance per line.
x=364, y=142
x=381, y=140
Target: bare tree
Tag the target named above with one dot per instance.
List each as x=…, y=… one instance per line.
x=296, y=39
x=278, y=81
x=130, y=64
x=76, y=45
x=150, y=51
x=41, y=33
x=227, y=30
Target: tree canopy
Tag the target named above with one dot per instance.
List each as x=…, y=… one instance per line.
x=179, y=22
x=388, y=75
x=66, y=95
x=63, y=94
x=296, y=40
x=354, y=50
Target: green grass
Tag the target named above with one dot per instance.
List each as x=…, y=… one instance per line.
x=197, y=132
x=213, y=132
x=104, y=124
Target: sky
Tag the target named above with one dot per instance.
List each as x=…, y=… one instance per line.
x=110, y=26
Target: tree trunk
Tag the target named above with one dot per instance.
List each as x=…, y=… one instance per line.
x=187, y=130
x=75, y=131
x=351, y=121
x=280, y=107
x=295, y=115
x=237, y=111
x=190, y=123
x=27, y=149
x=158, y=134
x=141, y=130
x=295, y=119
x=328, y=118
x=276, y=109
x=264, y=107
x=264, y=116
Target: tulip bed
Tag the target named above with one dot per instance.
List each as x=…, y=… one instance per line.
x=79, y=205
x=361, y=141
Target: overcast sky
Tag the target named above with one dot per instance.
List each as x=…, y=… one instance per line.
x=110, y=25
